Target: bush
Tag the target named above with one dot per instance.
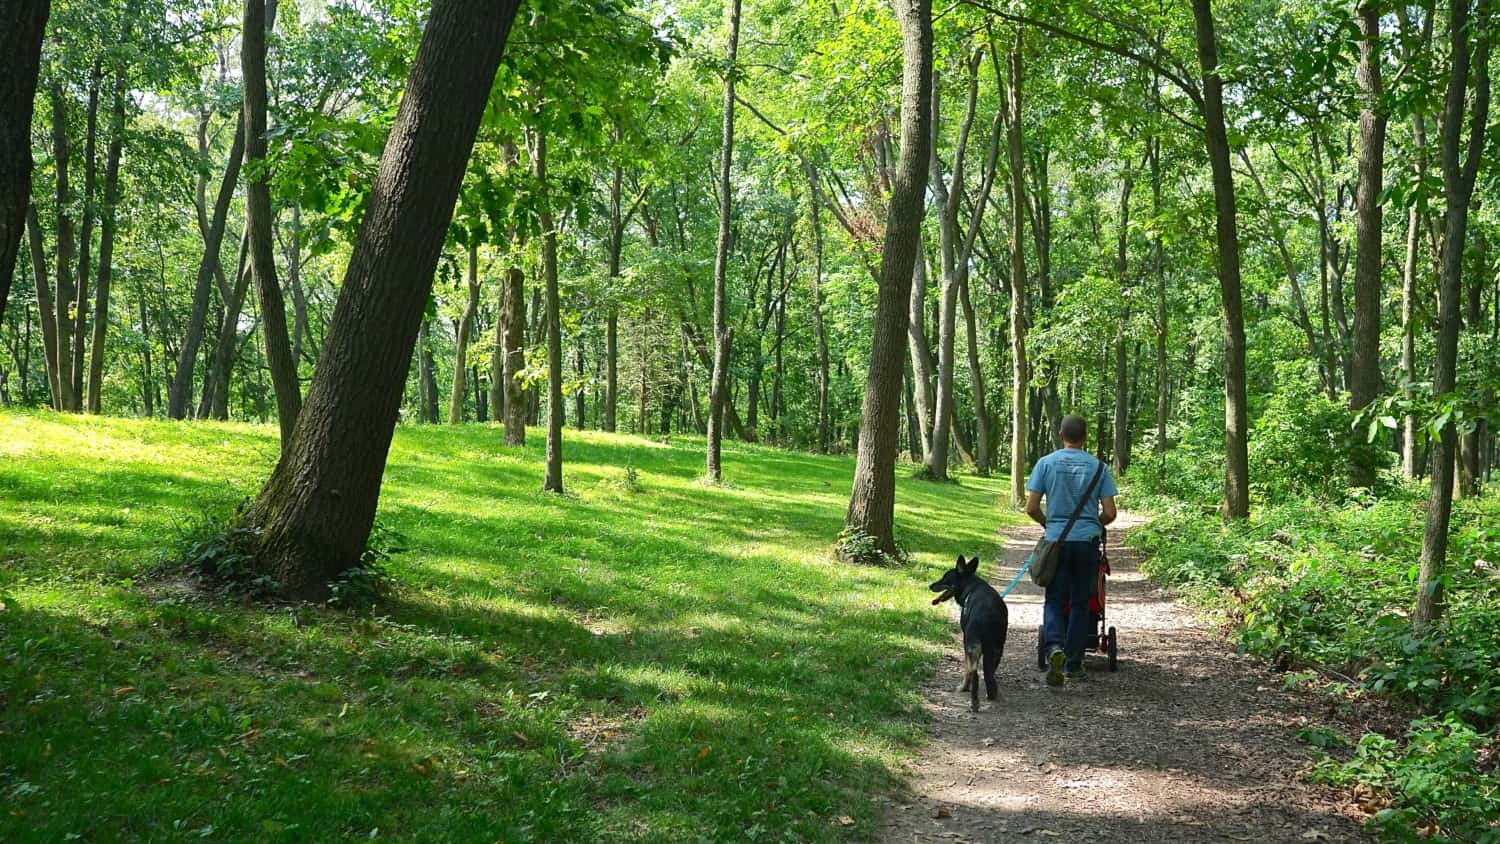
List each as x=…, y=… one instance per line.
x=1309, y=584
x=1304, y=442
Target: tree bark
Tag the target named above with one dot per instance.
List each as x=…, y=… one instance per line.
x=922, y=365
x=107, y=243
x=22, y=23
x=976, y=385
x=1122, y=393
x=46, y=308
x=1365, y=383
x=1459, y=173
x=872, y=502
x=1020, y=367
x=820, y=336
x=427, y=411
x=180, y=395
x=64, y=288
x=1226, y=229
x=258, y=22
x=555, y=409
x=85, y=235
x=719, y=384
x=1158, y=269
x=513, y=322
x=215, y=400
x=316, y=510
x=461, y=344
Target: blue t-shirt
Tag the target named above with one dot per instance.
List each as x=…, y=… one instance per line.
x=1061, y=477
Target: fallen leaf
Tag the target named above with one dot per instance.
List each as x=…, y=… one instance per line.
x=703, y=754
x=521, y=737
x=989, y=742
x=846, y=820
x=1315, y=835
x=941, y=812
x=124, y=690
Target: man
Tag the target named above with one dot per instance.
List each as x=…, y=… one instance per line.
x=1061, y=477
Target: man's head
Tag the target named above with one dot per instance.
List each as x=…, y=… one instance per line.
x=1074, y=431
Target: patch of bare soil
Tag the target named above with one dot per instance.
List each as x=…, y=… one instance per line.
x=1186, y=742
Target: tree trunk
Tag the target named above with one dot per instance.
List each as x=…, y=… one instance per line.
x=258, y=22
x=461, y=344
x=578, y=403
x=215, y=401
x=1020, y=368
x=107, y=243
x=1122, y=393
x=1158, y=269
x=718, y=386
x=976, y=384
x=427, y=410
x=1226, y=228
x=872, y=502
x=65, y=290
x=1459, y=173
x=317, y=508
x=46, y=308
x=1365, y=383
x=85, y=237
x=921, y=355
x=22, y=23
x=555, y=409
x=816, y=305
x=180, y=396
x=512, y=333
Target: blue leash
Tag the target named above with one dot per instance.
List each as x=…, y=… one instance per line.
x=1017, y=579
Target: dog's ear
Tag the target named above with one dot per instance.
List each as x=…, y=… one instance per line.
x=974, y=564
x=960, y=564
x=968, y=566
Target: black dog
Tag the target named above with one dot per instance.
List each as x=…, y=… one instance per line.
x=984, y=620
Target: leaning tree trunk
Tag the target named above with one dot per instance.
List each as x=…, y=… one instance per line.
x=1226, y=228
x=556, y=412
x=719, y=383
x=257, y=23
x=317, y=508
x=44, y=305
x=872, y=502
x=1365, y=383
x=461, y=345
x=22, y=23
x=180, y=394
x=106, y=244
x=215, y=403
x=1459, y=174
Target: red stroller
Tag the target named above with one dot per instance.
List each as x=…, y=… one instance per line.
x=1103, y=640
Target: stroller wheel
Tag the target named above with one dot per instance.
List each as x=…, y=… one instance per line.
x=1114, y=651
x=1041, y=649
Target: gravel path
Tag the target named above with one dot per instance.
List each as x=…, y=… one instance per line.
x=1186, y=742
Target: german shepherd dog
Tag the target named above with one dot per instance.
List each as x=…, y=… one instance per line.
x=984, y=620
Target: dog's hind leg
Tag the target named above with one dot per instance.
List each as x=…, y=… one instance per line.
x=991, y=662
x=972, y=660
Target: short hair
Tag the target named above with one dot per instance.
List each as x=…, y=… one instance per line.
x=1073, y=429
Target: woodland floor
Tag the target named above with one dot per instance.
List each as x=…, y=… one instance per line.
x=1186, y=742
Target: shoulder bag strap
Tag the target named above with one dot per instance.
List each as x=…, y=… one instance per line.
x=1077, y=511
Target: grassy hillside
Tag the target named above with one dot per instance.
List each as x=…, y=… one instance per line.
x=667, y=662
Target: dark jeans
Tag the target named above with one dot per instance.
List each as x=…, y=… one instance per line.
x=1074, y=584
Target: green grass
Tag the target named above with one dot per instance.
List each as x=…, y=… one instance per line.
x=683, y=662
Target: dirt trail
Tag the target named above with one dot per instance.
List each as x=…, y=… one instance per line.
x=1186, y=742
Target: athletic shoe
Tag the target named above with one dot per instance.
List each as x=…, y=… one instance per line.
x=1055, y=662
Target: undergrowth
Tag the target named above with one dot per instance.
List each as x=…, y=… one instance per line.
x=1328, y=581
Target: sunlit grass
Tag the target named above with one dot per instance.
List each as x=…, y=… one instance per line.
x=680, y=662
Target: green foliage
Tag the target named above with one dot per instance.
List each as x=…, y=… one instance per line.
x=1302, y=444
x=1442, y=777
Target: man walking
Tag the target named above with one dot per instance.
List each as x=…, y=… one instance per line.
x=1062, y=478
